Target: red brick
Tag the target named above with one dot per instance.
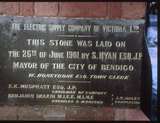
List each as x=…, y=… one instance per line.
x=83, y=9
x=133, y=10
x=9, y=8
x=46, y=9
x=26, y=8
x=115, y=10
x=1, y=6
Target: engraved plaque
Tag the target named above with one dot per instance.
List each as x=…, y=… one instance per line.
x=59, y=61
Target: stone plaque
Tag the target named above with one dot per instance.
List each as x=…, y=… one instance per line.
x=79, y=62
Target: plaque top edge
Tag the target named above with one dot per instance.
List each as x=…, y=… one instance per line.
x=52, y=19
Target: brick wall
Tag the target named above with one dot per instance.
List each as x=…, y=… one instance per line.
x=111, y=10
x=108, y=10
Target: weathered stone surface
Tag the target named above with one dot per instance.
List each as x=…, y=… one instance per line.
x=80, y=113
x=30, y=113
x=41, y=112
x=8, y=112
x=129, y=114
x=70, y=113
x=54, y=112
x=104, y=113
